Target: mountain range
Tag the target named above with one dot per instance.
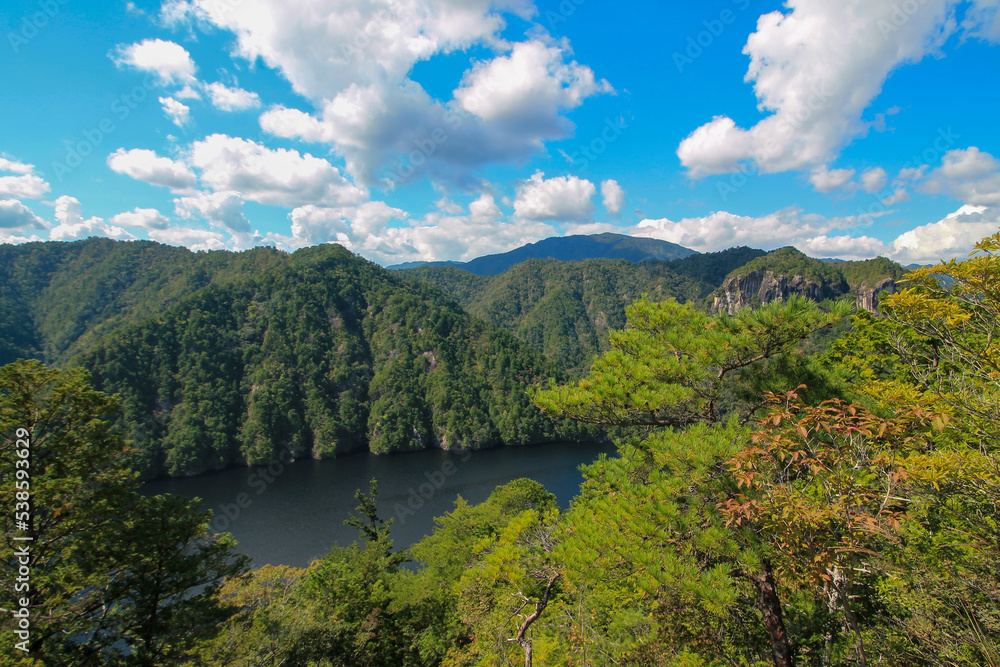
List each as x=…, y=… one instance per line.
x=225, y=358
x=568, y=248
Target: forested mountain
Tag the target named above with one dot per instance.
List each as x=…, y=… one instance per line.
x=222, y=357
x=786, y=271
x=568, y=249
x=568, y=309
x=225, y=357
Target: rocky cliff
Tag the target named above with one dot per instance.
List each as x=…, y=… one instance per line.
x=764, y=286
x=868, y=297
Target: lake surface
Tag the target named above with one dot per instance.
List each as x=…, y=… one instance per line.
x=292, y=514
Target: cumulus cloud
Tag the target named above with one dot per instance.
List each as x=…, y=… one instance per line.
x=529, y=87
x=169, y=61
x=146, y=165
x=190, y=237
x=14, y=214
x=145, y=218
x=15, y=239
x=721, y=230
x=971, y=175
x=453, y=233
x=15, y=167
x=564, y=198
x=322, y=47
x=953, y=237
x=178, y=112
x=873, y=180
x=815, y=69
x=613, y=196
x=224, y=209
x=349, y=225
x=72, y=226
x=354, y=61
x=825, y=180
x=225, y=98
x=271, y=176
x=26, y=185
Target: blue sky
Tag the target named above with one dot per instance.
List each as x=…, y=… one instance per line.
x=449, y=129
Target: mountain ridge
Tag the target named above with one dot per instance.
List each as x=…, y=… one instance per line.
x=567, y=248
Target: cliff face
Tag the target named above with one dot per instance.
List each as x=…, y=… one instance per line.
x=868, y=298
x=764, y=286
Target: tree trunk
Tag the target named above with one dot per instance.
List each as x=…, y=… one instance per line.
x=769, y=605
x=521, y=637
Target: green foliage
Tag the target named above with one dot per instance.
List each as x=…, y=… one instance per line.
x=791, y=262
x=568, y=309
x=676, y=366
x=115, y=577
x=222, y=358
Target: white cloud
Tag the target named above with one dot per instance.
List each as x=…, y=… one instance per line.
x=825, y=180
x=72, y=226
x=189, y=237
x=348, y=225
x=15, y=167
x=873, y=180
x=224, y=209
x=529, y=87
x=168, y=60
x=971, y=175
x=722, y=230
x=146, y=218
x=842, y=247
x=146, y=165
x=947, y=239
x=188, y=93
x=27, y=186
x=15, y=239
x=816, y=68
x=982, y=20
x=14, y=214
x=232, y=99
x=613, y=196
x=564, y=198
x=367, y=229
x=484, y=210
x=271, y=176
x=898, y=195
x=178, y=112
x=354, y=62
x=24, y=186
x=322, y=47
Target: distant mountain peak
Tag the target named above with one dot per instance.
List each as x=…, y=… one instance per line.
x=606, y=245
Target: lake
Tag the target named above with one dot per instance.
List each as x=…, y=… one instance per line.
x=291, y=514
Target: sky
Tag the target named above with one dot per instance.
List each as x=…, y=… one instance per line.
x=413, y=130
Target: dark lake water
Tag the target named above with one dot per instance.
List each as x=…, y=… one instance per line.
x=292, y=514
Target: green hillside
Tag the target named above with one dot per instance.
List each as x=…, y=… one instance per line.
x=567, y=309
x=225, y=358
